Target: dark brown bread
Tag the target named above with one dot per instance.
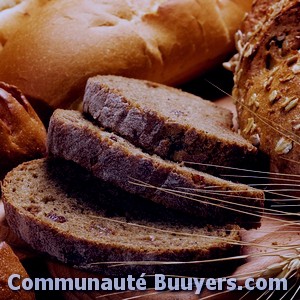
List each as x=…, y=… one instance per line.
x=168, y=122
x=115, y=160
x=61, y=209
x=267, y=78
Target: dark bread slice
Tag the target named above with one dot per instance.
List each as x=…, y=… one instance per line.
x=61, y=209
x=115, y=160
x=168, y=122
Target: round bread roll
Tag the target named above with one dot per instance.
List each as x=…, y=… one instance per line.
x=10, y=264
x=267, y=79
x=59, y=44
x=22, y=134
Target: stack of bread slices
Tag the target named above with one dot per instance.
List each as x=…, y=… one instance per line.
x=115, y=195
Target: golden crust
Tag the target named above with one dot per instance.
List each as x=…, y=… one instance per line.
x=10, y=264
x=62, y=43
x=22, y=134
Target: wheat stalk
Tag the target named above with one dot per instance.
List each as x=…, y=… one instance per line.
x=269, y=123
x=289, y=266
x=286, y=268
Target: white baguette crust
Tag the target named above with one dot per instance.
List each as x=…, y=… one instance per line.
x=62, y=43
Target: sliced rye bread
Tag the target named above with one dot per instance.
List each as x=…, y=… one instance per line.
x=115, y=160
x=168, y=122
x=59, y=208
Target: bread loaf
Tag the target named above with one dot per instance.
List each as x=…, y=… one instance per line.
x=60, y=44
x=61, y=209
x=22, y=134
x=267, y=78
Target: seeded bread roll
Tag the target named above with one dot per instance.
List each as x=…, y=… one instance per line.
x=22, y=134
x=115, y=160
x=267, y=79
x=168, y=122
x=60, y=44
x=61, y=209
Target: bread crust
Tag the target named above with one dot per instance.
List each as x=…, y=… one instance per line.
x=63, y=43
x=10, y=264
x=22, y=134
x=168, y=122
x=267, y=82
x=114, y=160
x=12, y=15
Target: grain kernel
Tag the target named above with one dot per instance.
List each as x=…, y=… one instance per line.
x=296, y=68
x=255, y=139
x=267, y=83
x=283, y=146
x=296, y=127
x=274, y=96
x=291, y=105
x=250, y=127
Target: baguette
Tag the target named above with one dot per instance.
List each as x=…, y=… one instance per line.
x=60, y=44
